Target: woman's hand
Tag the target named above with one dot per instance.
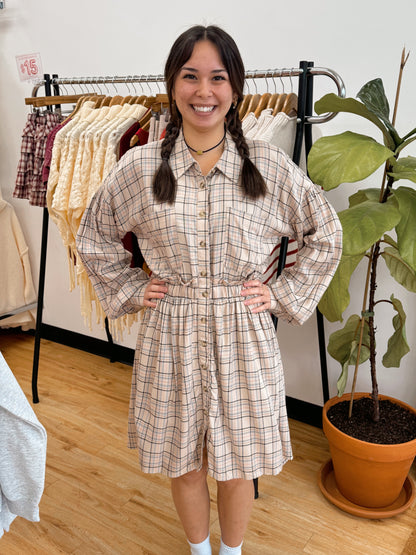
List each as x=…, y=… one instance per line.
x=155, y=289
x=260, y=294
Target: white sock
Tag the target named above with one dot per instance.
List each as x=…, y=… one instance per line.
x=225, y=550
x=203, y=548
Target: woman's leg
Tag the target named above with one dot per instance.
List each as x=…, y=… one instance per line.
x=235, y=500
x=191, y=497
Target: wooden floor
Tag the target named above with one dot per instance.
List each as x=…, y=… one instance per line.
x=96, y=501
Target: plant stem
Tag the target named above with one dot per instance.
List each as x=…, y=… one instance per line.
x=403, y=61
x=371, y=305
x=362, y=323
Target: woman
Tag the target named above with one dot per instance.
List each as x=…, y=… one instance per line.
x=208, y=207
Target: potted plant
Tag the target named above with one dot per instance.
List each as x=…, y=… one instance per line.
x=379, y=224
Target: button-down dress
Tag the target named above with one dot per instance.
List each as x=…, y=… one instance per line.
x=208, y=371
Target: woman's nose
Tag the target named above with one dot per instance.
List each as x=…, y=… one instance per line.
x=204, y=89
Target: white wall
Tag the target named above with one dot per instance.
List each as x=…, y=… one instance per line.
x=360, y=39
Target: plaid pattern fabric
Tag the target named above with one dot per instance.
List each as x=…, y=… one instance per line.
x=207, y=370
x=29, y=182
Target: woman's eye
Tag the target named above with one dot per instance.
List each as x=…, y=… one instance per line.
x=189, y=76
x=219, y=78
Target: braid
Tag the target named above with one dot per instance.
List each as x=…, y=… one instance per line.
x=252, y=181
x=164, y=182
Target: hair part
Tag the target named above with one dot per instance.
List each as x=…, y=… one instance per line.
x=164, y=182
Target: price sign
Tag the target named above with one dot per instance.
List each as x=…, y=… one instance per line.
x=29, y=67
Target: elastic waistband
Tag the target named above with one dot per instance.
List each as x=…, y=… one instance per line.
x=205, y=291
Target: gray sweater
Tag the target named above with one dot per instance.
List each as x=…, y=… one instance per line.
x=22, y=453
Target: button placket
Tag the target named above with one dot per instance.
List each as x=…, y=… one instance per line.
x=203, y=290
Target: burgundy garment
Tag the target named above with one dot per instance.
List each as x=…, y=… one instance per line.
x=130, y=240
x=48, y=151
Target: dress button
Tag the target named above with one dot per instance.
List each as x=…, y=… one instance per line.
x=203, y=320
x=202, y=244
x=202, y=185
x=203, y=343
x=202, y=214
x=205, y=294
x=203, y=273
x=204, y=366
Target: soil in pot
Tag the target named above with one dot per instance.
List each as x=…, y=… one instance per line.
x=396, y=424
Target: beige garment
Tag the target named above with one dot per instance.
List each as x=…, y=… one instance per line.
x=16, y=284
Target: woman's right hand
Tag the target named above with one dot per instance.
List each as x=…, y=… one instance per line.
x=155, y=289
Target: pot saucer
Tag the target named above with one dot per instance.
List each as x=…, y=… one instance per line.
x=330, y=490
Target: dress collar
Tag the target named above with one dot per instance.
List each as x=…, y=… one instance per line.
x=229, y=163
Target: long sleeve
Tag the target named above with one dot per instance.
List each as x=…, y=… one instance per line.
x=318, y=233
x=119, y=287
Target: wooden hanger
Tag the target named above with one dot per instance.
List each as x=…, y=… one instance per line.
x=272, y=101
x=244, y=105
x=39, y=101
x=290, y=106
x=279, y=103
x=116, y=100
x=262, y=105
x=254, y=101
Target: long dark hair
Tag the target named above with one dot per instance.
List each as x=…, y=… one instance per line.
x=164, y=182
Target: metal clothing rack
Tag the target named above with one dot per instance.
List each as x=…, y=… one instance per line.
x=306, y=72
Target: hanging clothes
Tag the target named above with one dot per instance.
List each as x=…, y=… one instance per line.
x=84, y=151
x=16, y=284
x=29, y=182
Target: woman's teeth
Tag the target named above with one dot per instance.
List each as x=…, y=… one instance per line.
x=203, y=108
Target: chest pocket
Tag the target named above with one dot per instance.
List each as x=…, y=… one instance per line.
x=245, y=243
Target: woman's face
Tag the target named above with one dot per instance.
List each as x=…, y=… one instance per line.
x=202, y=91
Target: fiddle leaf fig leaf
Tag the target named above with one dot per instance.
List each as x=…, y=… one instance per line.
x=343, y=347
x=365, y=223
x=399, y=269
x=390, y=241
x=364, y=194
x=406, y=228
x=336, y=298
x=397, y=346
x=405, y=168
x=345, y=158
x=333, y=103
x=372, y=95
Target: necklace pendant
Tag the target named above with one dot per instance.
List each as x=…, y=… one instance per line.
x=200, y=152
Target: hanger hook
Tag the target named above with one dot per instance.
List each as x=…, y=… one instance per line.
x=253, y=79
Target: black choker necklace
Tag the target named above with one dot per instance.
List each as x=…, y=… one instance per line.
x=208, y=149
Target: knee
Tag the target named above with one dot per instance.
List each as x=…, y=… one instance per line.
x=192, y=478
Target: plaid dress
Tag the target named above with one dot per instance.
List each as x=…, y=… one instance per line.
x=207, y=370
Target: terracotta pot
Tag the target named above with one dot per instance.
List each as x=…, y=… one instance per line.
x=368, y=474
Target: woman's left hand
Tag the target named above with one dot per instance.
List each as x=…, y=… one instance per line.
x=260, y=294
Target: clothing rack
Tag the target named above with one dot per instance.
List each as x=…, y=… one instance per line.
x=306, y=72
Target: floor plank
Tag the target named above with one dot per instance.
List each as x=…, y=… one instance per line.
x=97, y=501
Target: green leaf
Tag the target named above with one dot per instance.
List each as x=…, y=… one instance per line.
x=399, y=270
x=390, y=241
x=406, y=228
x=364, y=194
x=405, y=168
x=336, y=298
x=397, y=346
x=343, y=347
x=406, y=142
x=333, y=103
x=372, y=95
x=364, y=224
x=345, y=158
